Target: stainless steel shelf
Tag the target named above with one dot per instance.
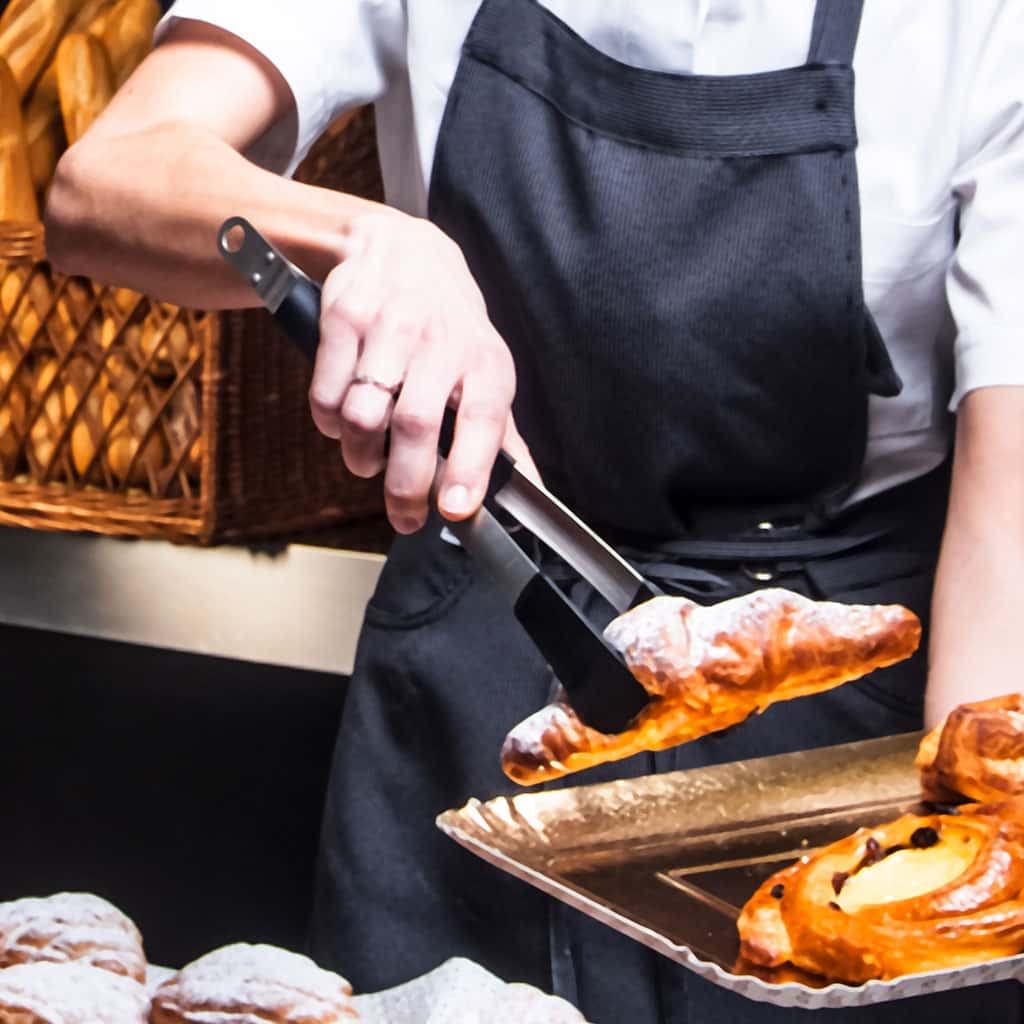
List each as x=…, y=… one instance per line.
x=300, y=607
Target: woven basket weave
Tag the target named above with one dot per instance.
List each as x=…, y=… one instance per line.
x=122, y=415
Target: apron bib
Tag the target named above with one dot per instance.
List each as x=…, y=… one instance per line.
x=674, y=262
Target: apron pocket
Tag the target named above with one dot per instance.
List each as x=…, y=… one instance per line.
x=422, y=578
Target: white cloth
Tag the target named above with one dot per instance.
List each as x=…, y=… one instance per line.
x=940, y=118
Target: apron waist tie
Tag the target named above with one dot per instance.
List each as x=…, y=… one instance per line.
x=671, y=565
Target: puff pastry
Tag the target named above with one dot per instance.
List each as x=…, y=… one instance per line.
x=243, y=984
x=707, y=668
x=69, y=993
x=71, y=926
x=977, y=752
x=916, y=894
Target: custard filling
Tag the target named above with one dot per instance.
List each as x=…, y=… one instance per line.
x=906, y=873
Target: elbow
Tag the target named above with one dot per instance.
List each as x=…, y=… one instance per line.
x=69, y=216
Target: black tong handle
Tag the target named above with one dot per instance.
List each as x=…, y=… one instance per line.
x=602, y=690
x=298, y=313
x=299, y=316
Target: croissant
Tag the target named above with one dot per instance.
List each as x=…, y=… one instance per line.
x=71, y=926
x=707, y=668
x=240, y=984
x=977, y=752
x=917, y=894
x=69, y=993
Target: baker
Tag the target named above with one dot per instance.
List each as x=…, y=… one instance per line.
x=724, y=296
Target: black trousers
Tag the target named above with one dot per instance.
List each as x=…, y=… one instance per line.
x=442, y=672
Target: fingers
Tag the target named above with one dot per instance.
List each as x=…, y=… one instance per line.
x=402, y=309
x=335, y=363
x=515, y=446
x=415, y=428
x=367, y=408
x=480, y=427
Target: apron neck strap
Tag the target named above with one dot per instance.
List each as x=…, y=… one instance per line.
x=834, y=33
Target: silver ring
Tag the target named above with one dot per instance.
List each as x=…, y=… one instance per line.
x=365, y=378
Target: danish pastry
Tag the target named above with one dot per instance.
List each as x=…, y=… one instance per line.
x=977, y=752
x=707, y=668
x=69, y=993
x=71, y=926
x=916, y=894
x=244, y=984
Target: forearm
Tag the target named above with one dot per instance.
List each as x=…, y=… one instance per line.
x=977, y=634
x=142, y=210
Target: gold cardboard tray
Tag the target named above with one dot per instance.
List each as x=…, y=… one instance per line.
x=669, y=859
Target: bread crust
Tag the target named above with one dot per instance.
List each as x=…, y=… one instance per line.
x=978, y=915
x=71, y=926
x=69, y=993
x=710, y=667
x=977, y=752
x=243, y=984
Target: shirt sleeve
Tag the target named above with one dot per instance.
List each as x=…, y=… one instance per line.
x=985, y=288
x=333, y=54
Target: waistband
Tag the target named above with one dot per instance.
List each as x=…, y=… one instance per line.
x=912, y=514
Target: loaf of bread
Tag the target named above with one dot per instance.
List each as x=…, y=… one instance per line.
x=85, y=82
x=707, y=668
x=243, y=984
x=17, y=192
x=70, y=926
x=44, y=131
x=29, y=30
x=128, y=35
x=70, y=993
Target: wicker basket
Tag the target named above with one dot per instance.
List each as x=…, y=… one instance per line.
x=122, y=415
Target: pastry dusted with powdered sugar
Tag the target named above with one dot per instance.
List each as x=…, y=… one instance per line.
x=243, y=984
x=70, y=926
x=709, y=667
x=69, y=993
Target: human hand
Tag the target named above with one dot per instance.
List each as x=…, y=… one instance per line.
x=404, y=332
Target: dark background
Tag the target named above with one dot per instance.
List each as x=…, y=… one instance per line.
x=185, y=789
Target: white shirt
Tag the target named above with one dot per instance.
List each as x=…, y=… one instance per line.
x=940, y=119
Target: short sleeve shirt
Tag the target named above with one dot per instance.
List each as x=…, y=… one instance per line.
x=940, y=121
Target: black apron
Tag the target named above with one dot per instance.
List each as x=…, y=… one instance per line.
x=674, y=262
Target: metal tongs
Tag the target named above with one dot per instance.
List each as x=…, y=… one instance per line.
x=600, y=687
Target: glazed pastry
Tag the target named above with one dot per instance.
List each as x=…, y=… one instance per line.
x=71, y=926
x=244, y=984
x=707, y=668
x=69, y=993
x=977, y=752
x=917, y=894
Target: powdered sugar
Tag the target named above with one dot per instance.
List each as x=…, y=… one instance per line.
x=463, y=992
x=70, y=993
x=70, y=926
x=243, y=984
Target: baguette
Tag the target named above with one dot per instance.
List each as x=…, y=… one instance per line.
x=17, y=194
x=128, y=35
x=127, y=431
x=12, y=413
x=88, y=426
x=46, y=428
x=92, y=17
x=84, y=82
x=44, y=130
x=29, y=31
